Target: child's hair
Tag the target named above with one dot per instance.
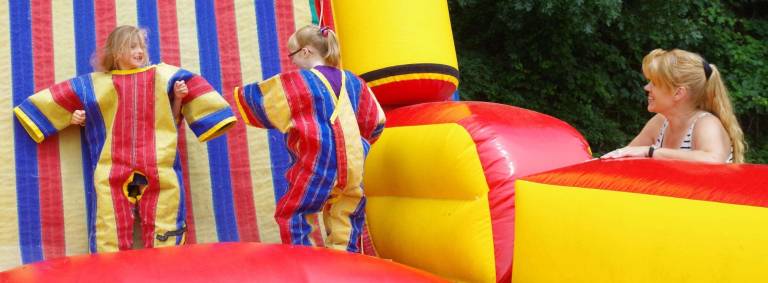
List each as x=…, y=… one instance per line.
x=118, y=43
x=321, y=38
x=680, y=68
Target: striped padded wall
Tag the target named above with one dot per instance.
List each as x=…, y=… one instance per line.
x=230, y=42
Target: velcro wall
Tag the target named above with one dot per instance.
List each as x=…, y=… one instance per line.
x=440, y=183
x=231, y=180
x=643, y=220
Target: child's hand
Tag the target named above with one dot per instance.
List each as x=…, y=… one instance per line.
x=180, y=89
x=78, y=118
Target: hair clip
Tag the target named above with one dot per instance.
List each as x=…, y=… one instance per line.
x=707, y=69
x=324, y=31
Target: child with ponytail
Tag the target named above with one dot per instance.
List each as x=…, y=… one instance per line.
x=330, y=119
x=694, y=121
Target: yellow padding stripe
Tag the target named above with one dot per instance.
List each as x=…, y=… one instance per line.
x=30, y=126
x=567, y=234
x=276, y=106
x=420, y=76
x=202, y=106
x=217, y=130
x=327, y=84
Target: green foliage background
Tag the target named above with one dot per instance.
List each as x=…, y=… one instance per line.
x=580, y=60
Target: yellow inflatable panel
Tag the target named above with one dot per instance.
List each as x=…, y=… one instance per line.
x=403, y=49
x=571, y=234
x=419, y=211
x=380, y=34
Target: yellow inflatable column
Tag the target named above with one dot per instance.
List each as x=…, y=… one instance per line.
x=403, y=49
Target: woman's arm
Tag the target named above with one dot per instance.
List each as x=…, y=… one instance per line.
x=639, y=146
x=710, y=144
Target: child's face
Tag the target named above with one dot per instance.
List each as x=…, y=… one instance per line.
x=301, y=57
x=133, y=57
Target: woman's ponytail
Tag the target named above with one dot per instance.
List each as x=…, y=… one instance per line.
x=717, y=102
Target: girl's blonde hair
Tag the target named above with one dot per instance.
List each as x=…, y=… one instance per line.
x=680, y=68
x=321, y=38
x=119, y=43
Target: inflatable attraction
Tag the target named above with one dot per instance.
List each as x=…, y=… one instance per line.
x=458, y=191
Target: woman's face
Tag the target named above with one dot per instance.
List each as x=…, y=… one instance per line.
x=659, y=97
x=133, y=57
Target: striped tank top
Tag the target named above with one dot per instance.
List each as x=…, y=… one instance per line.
x=688, y=139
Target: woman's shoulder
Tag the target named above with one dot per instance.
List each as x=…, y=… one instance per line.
x=707, y=121
x=709, y=132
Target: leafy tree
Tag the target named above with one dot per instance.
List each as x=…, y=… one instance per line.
x=580, y=60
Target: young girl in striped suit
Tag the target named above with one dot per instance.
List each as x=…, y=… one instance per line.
x=330, y=118
x=131, y=135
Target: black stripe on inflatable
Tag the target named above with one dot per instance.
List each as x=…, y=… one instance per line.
x=410, y=69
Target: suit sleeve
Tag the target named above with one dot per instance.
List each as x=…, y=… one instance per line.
x=265, y=104
x=205, y=110
x=48, y=111
x=370, y=116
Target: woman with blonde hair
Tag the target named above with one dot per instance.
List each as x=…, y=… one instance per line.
x=694, y=121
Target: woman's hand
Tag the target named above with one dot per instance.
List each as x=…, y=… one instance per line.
x=629, y=151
